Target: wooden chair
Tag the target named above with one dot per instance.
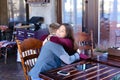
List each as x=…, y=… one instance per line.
x=85, y=42
x=29, y=50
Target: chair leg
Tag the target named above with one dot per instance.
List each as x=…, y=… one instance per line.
x=0, y=55
x=92, y=55
x=5, y=55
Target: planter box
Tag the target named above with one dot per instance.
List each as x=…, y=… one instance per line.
x=113, y=51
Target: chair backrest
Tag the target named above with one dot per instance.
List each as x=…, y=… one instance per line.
x=85, y=41
x=29, y=50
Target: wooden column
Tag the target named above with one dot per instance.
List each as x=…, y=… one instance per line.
x=92, y=17
x=27, y=11
x=3, y=12
x=59, y=11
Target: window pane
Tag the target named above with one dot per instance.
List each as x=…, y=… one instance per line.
x=72, y=13
x=109, y=22
x=16, y=10
x=68, y=11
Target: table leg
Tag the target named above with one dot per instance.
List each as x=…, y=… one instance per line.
x=5, y=55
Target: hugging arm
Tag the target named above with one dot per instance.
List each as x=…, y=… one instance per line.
x=69, y=59
x=62, y=41
x=59, y=51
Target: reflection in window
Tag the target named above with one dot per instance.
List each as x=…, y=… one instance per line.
x=110, y=10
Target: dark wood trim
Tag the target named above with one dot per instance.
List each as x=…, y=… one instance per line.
x=59, y=11
x=3, y=12
x=92, y=18
x=27, y=12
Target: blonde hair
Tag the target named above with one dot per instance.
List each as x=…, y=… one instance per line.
x=53, y=27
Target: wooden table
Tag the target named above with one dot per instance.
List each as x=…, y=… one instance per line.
x=109, y=60
x=83, y=70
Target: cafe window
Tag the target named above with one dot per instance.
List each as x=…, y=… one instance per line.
x=109, y=22
x=16, y=10
x=72, y=13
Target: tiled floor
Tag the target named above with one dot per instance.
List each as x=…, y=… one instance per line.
x=12, y=70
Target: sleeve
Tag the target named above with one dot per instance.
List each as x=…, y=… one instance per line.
x=62, y=41
x=59, y=51
x=69, y=59
x=43, y=37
